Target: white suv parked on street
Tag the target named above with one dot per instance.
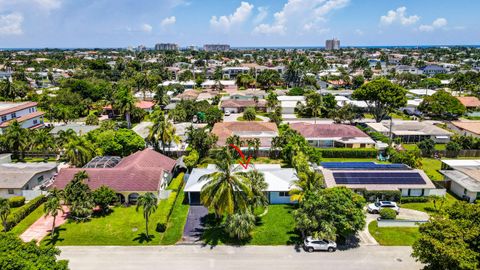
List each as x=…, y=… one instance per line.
x=375, y=208
x=310, y=244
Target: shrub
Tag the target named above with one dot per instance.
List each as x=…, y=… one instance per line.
x=349, y=153
x=16, y=201
x=414, y=199
x=14, y=218
x=387, y=213
x=384, y=195
x=249, y=114
x=176, y=183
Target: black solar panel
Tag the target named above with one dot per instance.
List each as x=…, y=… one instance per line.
x=379, y=178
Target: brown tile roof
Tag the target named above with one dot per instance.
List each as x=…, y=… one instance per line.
x=22, y=118
x=21, y=106
x=309, y=130
x=469, y=101
x=141, y=171
x=242, y=103
x=188, y=94
x=142, y=104
x=227, y=129
x=470, y=126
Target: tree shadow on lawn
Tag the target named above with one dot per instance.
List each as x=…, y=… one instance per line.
x=52, y=241
x=213, y=233
x=142, y=238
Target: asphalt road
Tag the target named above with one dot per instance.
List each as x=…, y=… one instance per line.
x=226, y=257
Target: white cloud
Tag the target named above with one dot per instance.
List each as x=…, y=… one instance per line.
x=11, y=24
x=301, y=15
x=224, y=23
x=436, y=24
x=359, y=32
x=168, y=21
x=398, y=16
x=49, y=4
x=262, y=14
x=147, y=28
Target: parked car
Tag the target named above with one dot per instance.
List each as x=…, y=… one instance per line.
x=227, y=113
x=375, y=208
x=311, y=244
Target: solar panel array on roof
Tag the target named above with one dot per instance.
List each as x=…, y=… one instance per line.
x=363, y=166
x=379, y=178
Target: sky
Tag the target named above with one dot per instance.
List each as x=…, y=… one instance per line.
x=122, y=23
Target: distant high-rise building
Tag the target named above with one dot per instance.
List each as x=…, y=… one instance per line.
x=216, y=47
x=166, y=47
x=332, y=44
x=141, y=48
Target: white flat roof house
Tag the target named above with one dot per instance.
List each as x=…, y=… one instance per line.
x=288, y=103
x=279, y=180
x=464, y=177
x=412, y=131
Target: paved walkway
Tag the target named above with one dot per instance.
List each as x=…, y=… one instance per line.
x=195, y=257
x=193, y=227
x=43, y=226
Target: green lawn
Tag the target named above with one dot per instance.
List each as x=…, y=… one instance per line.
x=275, y=228
x=431, y=167
x=28, y=221
x=428, y=206
x=123, y=226
x=393, y=236
x=240, y=118
x=353, y=160
x=177, y=221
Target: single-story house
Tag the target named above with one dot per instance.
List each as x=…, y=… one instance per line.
x=265, y=131
x=289, y=103
x=141, y=104
x=333, y=135
x=239, y=105
x=79, y=129
x=407, y=69
x=463, y=177
x=471, y=103
x=187, y=94
x=279, y=182
x=18, y=178
x=141, y=172
x=372, y=176
x=421, y=92
x=466, y=127
x=433, y=69
x=412, y=131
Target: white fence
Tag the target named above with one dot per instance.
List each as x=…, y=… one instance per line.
x=437, y=192
x=32, y=194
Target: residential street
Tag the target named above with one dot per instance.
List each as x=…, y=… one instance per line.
x=227, y=257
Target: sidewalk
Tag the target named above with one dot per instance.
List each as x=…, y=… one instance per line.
x=43, y=225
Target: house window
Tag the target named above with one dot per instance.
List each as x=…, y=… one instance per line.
x=283, y=194
x=40, y=179
x=4, y=118
x=11, y=191
x=13, y=115
x=35, y=121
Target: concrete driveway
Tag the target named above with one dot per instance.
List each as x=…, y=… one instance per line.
x=194, y=257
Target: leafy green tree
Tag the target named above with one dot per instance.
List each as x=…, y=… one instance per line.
x=191, y=159
x=226, y=191
x=104, y=197
x=240, y=225
x=78, y=151
x=427, y=147
x=201, y=140
x=162, y=132
x=450, y=240
x=213, y=115
x=4, y=212
x=412, y=158
x=148, y=202
x=92, y=119
x=382, y=96
x=330, y=212
x=125, y=102
x=296, y=91
x=442, y=104
x=244, y=80
x=15, y=254
x=358, y=81
x=268, y=79
x=453, y=148
x=14, y=136
x=347, y=113
x=79, y=196
x=276, y=115
x=43, y=141
x=51, y=208
x=258, y=185
x=249, y=114
x=272, y=100
x=308, y=180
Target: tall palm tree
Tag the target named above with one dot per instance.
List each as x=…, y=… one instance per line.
x=51, y=207
x=125, y=102
x=272, y=100
x=148, y=202
x=78, y=151
x=64, y=137
x=314, y=102
x=14, y=135
x=162, y=131
x=227, y=190
x=308, y=180
x=43, y=141
x=256, y=147
x=256, y=181
x=4, y=212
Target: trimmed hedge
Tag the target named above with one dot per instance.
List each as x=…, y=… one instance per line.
x=16, y=201
x=176, y=183
x=420, y=199
x=14, y=218
x=387, y=213
x=383, y=195
x=348, y=152
x=167, y=205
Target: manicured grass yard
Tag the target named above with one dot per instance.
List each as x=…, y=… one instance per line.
x=393, y=236
x=428, y=206
x=28, y=221
x=240, y=118
x=176, y=223
x=431, y=167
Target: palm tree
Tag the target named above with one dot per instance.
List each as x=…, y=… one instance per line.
x=14, y=135
x=314, y=102
x=272, y=100
x=308, y=180
x=4, y=212
x=227, y=190
x=78, y=151
x=52, y=206
x=256, y=181
x=256, y=147
x=125, y=102
x=149, y=203
x=43, y=141
x=162, y=131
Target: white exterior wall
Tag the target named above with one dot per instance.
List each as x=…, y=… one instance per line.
x=232, y=110
x=4, y=193
x=276, y=199
x=457, y=189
